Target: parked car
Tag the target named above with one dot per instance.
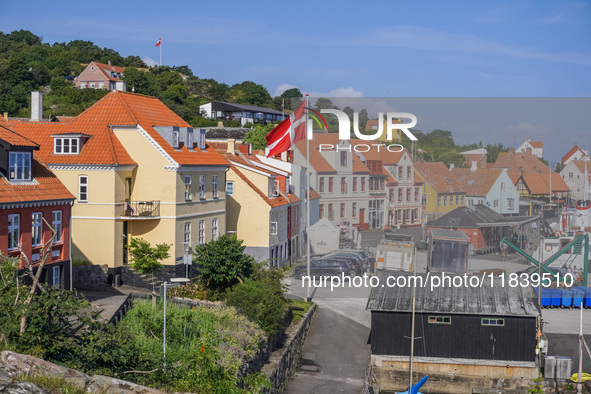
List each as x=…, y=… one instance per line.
x=324, y=267
x=353, y=263
x=359, y=257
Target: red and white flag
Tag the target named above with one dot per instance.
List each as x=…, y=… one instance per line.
x=159, y=42
x=288, y=132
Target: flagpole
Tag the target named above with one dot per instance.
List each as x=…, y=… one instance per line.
x=160, y=52
x=308, y=172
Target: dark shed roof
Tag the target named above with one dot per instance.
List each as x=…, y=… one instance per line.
x=486, y=300
x=479, y=215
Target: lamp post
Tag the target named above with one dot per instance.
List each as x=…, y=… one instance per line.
x=164, y=332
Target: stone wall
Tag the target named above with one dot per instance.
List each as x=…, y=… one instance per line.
x=91, y=277
x=131, y=278
x=284, y=361
x=14, y=364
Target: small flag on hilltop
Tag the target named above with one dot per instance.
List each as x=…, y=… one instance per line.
x=288, y=132
x=159, y=42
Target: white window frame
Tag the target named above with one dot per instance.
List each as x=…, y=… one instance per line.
x=56, y=276
x=16, y=170
x=187, y=187
x=495, y=203
x=190, y=139
x=273, y=228
x=214, y=186
x=82, y=188
x=215, y=233
x=229, y=188
x=66, y=145
x=202, y=139
x=56, y=223
x=176, y=139
x=202, y=187
x=187, y=238
x=510, y=203
x=14, y=231
x=37, y=229
x=201, y=232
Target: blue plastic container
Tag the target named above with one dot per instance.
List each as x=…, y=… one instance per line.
x=556, y=297
x=588, y=298
x=567, y=298
x=578, y=298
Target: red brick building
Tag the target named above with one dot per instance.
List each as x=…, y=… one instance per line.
x=30, y=193
x=101, y=76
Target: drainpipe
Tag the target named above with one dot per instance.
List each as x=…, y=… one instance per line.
x=70, y=248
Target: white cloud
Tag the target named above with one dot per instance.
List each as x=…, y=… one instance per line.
x=149, y=61
x=339, y=92
x=282, y=88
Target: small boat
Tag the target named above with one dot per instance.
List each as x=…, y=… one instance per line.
x=415, y=389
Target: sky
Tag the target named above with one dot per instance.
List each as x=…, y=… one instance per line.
x=532, y=48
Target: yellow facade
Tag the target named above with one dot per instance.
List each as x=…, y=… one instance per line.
x=102, y=226
x=438, y=204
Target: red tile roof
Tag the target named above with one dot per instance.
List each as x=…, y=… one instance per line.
x=580, y=164
x=439, y=177
x=105, y=68
x=571, y=152
x=540, y=183
x=8, y=134
x=317, y=161
x=45, y=185
x=273, y=202
x=476, y=183
x=371, y=125
x=103, y=147
x=537, y=144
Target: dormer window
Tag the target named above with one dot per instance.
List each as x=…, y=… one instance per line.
x=201, y=142
x=66, y=146
x=19, y=166
x=176, y=143
x=190, y=140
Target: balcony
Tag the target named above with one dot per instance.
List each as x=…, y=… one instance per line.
x=141, y=209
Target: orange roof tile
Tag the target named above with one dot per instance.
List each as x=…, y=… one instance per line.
x=537, y=144
x=439, y=177
x=580, y=164
x=8, y=134
x=520, y=162
x=571, y=152
x=540, y=183
x=273, y=202
x=371, y=125
x=317, y=161
x=476, y=183
x=103, y=147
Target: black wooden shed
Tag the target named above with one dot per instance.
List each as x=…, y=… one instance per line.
x=484, y=322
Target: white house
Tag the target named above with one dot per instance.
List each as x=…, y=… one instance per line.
x=537, y=147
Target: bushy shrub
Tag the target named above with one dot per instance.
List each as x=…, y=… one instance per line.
x=259, y=302
x=190, y=290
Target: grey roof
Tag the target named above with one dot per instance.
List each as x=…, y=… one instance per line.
x=445, y=233
x=224, y=106
x=237, y=133
x=486, y=300
x=479, y=215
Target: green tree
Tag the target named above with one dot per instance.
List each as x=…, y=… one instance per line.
x=222, y=263
x=147, y=259
x=259, y=303
x=257, y=136
x=139, y=81
x=492, y=152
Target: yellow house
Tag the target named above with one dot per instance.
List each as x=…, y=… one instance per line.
x=259, y=204
x=137, y=170
x=441, y=192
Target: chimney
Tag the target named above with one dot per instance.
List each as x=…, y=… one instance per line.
x=245, y=148
x=120, y=86
x=474, y=166
x=528, y=150
x=451, y=166
x=36, y=106
x=109, y=62
x=483, y=161
x=231, y=146
x=220, y=124
x=5, y=115
x=511, y=150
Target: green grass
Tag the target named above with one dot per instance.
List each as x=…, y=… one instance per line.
x=80, y=263
x=56, y=384
x=298, y=315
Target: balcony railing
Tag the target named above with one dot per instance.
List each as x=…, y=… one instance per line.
x=141, y=209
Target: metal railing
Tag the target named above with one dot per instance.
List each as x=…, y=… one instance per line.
x=140, y=209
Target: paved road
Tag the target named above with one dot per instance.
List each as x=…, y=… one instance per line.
x=109, y=300
x=335, y=356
